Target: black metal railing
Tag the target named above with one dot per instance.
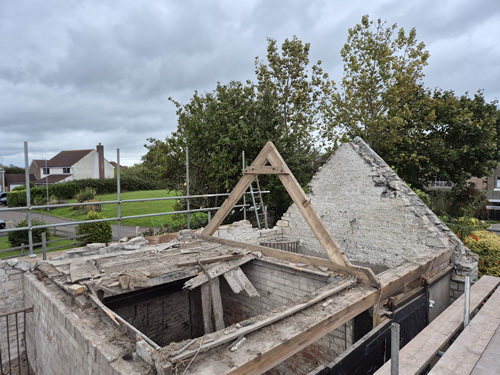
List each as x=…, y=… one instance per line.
x=13, y=352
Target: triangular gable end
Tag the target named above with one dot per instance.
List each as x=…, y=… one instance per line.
x=269, y=154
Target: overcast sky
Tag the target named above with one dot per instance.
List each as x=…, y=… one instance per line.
x=75, y=73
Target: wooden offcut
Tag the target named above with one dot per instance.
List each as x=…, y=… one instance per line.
x=210, y=260
x=206, y=308
x=217, y=270
x=238, y=281
x=217, y=304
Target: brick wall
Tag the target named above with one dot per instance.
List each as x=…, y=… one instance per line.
x=59, y=340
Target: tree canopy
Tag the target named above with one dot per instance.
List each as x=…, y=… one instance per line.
x=421, y=133
x=284, y=106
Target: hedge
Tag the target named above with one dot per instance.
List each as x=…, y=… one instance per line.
x=68, y=190
x=487, y=246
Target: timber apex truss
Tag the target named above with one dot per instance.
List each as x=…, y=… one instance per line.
x=270, y=155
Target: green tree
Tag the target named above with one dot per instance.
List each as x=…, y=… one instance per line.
x=98, y=232
x=285, y=106
x=12, y=169
x=422, y=133
x=293, y=98
x=462, y=140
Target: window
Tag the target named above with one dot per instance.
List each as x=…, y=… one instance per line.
x=438, y=182
x=66, y=170
x=46, y=170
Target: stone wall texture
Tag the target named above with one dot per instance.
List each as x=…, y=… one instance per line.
x=373, y=215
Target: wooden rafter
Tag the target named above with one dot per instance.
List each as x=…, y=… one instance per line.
x=269, y=154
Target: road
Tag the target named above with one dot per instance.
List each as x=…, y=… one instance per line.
x=10, y=217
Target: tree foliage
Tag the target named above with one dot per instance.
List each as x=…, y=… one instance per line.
x=217, y=126
x=422, y=133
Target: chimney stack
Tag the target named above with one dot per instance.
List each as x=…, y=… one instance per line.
x=100, y=154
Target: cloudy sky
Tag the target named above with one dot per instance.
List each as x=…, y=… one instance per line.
x=75, y=73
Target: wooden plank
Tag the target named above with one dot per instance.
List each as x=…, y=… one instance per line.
x=256, y=170
x=345, y=309
x=488, y=363
x=210, y=260
x=395, y=278
x=217, y=304
x=237, y=192
x=206, y=307
x=466, y=350
x=310, y=215
x=232, y=281
x=335, y=289
x=217, y=270
x=417, y=354
x=245, y=283
x=363, y=275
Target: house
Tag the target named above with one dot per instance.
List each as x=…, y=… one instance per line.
x=13, y=180
x=72, y=165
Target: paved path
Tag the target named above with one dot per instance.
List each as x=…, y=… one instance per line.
x=10, y=217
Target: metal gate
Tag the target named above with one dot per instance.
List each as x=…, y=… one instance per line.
x=369, y=353
x=13, y=355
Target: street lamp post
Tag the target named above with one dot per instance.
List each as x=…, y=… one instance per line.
x=47, y=184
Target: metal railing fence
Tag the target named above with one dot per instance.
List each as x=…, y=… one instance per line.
x=29, y=208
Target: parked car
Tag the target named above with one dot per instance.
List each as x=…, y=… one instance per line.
x=2, y=224
x=3, y=199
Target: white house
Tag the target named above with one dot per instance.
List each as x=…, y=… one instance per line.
x=72, y=165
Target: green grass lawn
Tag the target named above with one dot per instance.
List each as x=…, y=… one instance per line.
x=4, y=244
x=131, y=209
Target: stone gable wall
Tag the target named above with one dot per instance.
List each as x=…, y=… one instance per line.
x=373, y=215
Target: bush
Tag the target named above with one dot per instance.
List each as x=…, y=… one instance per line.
x=464, y=226
x=65, y=190
x=99, y=232
x=424, y=197
x=16, y=198
x=21, y=237
x=85, y=194
x=487, y=246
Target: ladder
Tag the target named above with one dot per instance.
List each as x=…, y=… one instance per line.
x=260, y=206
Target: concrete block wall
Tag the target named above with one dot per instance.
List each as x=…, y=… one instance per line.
x=163, y=319
x=61, y=343
x=277, y=286
x=11, y=299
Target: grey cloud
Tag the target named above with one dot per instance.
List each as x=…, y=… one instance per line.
x=74, y=73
